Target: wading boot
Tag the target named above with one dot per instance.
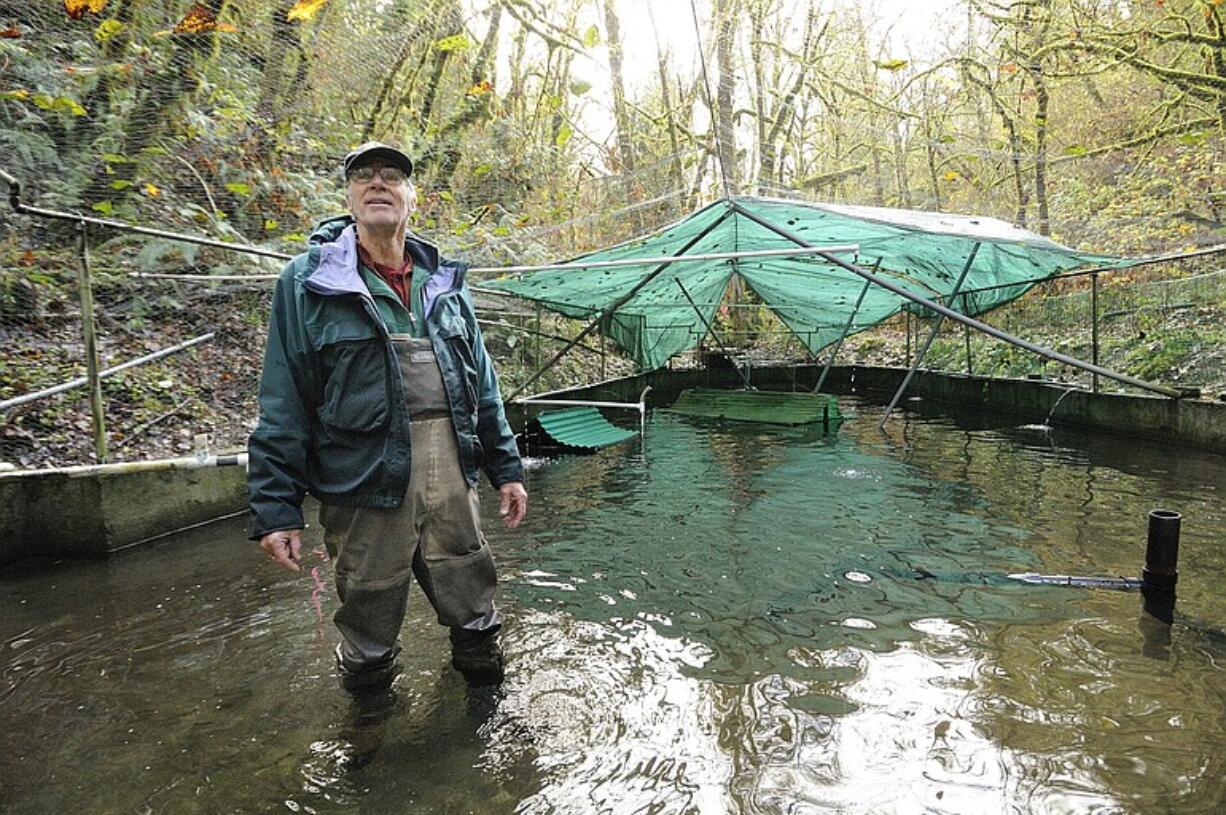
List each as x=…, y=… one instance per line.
x=477, y=655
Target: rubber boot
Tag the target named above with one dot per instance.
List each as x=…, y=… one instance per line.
x=477, y=655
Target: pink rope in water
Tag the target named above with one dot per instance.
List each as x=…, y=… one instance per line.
x=317, y=590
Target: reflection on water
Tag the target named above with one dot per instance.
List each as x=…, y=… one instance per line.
x=724, y=618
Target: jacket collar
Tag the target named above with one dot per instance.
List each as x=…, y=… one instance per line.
x=336, y=272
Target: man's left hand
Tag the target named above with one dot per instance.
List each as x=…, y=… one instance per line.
x=514, y=503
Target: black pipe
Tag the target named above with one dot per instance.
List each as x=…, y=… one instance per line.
x=1161, y=572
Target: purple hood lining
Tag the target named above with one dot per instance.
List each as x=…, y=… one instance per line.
x=337, y=272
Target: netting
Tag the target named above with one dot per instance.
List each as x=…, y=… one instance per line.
x=544, y=130
x=654, y=315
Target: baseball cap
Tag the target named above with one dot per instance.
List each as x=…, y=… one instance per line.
x=378, y=150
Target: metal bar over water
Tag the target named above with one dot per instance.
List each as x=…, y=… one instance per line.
x=953, y=315
x=711, y=330
x=851, y=318
x=932, y=335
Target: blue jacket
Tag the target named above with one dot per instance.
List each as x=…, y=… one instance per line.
x=333, y=419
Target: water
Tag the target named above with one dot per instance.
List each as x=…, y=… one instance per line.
x=724, y=618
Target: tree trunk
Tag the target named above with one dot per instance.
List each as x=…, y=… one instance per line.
x=725, y=128
x=621, y=118
x=670, y=122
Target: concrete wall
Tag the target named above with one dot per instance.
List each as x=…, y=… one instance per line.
x=92, y=511
x=1196, y=423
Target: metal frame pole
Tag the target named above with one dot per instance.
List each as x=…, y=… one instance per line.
x=973, y=323
x=711, y=330
x=1094, y=329
x=966, y=336
x=932, y=335
x=834, y=351
x=907, y=354
x=619, y=302
x=86, y=293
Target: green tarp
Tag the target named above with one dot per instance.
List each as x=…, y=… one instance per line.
x=766, y=407
x=581, y=429
x=922, y=252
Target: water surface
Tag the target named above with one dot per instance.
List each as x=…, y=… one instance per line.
x=718, y=618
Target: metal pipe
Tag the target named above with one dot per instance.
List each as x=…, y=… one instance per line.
x=1094, y=329
x=529, y=400
x=76, y=383
x=123, y=467
x=85, y=291
x=844, y=248
x=711, y=330
x=966, y=337
x=851, y=318
x=1161, y=573
x=932, y=335
x=973, y=323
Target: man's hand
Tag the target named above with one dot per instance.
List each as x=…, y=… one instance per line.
x=284, y=548
x=514, y=503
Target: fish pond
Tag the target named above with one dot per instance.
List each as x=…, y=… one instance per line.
x=714, y=618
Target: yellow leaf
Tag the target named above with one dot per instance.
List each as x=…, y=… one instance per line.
x=199, y=20
x=152, y=190
x=76, y=8
x=951, y=176
x=305, y=9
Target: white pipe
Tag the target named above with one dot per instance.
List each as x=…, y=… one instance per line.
x=839, y=249
x=124, y=467
x=580, y=403
x=76, y=383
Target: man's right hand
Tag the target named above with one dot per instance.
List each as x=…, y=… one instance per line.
x=284, y=548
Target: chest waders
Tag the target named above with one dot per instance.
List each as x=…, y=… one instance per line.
x=435, y=534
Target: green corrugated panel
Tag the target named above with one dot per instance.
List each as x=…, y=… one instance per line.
x=581, y=428
x=770, y=407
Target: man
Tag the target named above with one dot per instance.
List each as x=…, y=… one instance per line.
x=378, y=398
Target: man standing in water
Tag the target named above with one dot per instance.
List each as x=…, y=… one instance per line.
x=378, y=398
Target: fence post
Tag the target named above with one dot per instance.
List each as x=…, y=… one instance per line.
x=86, y=293
x=966, y=336
x=1094, y=328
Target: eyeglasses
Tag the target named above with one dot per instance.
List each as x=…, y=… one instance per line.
x=391, y=176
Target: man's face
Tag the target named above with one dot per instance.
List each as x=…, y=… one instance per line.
x=377, y=203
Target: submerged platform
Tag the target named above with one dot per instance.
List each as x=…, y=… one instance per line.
x=767, y=407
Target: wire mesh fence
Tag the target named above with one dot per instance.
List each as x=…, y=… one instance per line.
x=1168, y=330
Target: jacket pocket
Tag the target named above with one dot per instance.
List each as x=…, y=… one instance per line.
x=453, y=331
x=356, y=389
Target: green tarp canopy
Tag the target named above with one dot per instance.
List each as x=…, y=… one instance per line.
x=920, y=251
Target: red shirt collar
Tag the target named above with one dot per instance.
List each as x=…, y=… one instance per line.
x=382, y=270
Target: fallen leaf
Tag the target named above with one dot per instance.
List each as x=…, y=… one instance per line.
x=10, y=33
x=305, y=9
x=27, y=258
x=76, y=8
x=199, y=20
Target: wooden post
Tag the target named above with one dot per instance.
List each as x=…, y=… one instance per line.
x=86, y=293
